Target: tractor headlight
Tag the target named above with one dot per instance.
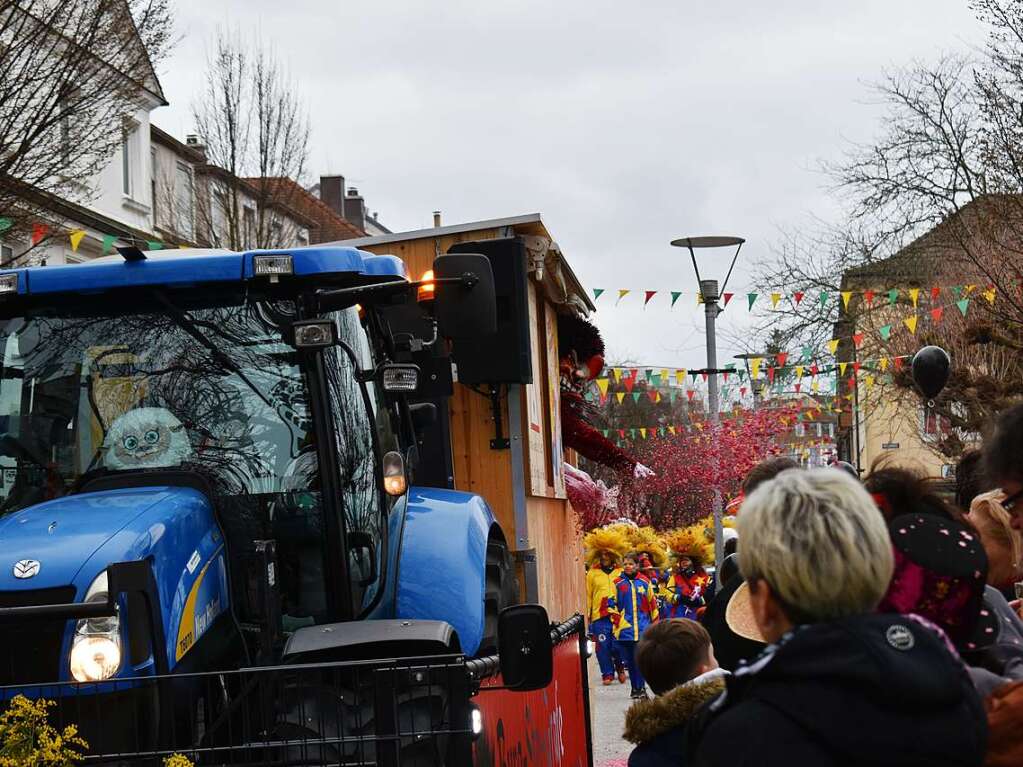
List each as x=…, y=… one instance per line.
x=96, y=647
x=475, y=721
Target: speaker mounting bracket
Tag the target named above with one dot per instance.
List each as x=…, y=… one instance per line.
x=499, y=442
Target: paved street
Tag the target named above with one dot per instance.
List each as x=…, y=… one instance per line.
x=609, y=705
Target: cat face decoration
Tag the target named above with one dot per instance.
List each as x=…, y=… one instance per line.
x=146, y=438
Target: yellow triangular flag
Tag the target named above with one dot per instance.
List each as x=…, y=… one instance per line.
x=846, y=295
x=642, y=431
x=699, y=298
x=884, y=364
x=620, y=395
x=76, y=239
x=833, y=345
x=799, y=371
x=622, y=294
x=970, y=289
x=754, y=366
x=602, y=384
x=989, y=294
x=910, y=323
x=664, y=377
x=870, y=381
x=914, y=295
x=841, y=368
x=775, y=298
x=680, y=376
x=671, y=429
x=815, y=385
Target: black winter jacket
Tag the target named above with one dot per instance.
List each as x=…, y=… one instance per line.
x=656, y=726
x=878, y=690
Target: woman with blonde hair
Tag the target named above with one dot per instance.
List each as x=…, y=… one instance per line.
x=1003, y=544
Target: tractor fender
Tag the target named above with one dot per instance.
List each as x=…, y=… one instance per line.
x=441, y=573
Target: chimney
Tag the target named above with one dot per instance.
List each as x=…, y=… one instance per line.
x=436, y=218
x=332, y=193
x=192, y=141
x=355, y=208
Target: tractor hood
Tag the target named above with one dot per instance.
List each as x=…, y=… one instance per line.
x=66, y=534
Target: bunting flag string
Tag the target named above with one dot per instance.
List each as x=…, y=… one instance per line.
x=934, y=294
x=40, y=231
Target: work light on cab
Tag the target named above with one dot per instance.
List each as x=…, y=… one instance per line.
x=9, y=283
x=272, y=266
x=427, y=287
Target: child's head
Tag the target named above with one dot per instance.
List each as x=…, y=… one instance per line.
x=672, y=652
x=629, y=563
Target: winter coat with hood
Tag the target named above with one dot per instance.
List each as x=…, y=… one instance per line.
x=879, y=690
x=657, y=726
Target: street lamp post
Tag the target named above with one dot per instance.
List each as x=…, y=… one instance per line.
x=710, y=294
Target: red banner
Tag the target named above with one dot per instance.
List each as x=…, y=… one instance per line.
x=543, y=727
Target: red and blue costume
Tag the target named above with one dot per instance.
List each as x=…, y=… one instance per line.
x=636, y=609
x=686, y=590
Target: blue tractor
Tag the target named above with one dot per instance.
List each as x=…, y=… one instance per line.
x=210, y=536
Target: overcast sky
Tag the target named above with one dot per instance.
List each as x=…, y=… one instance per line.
x=625, y=124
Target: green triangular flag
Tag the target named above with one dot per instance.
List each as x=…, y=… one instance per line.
x=108, y=242
x=885, y=331
x=742, y=376
x=597, y=293
x=824, y=298
x=655, y=380
x=893, y=296
x=605, y=431
x=752, y=298
x=154, y=245
x=5, y=224
x=635, y=396
x=807, y=353
x=674, y=296
x=649, y=374
x=957, y=290
x=963, y=305
x=632, y=433
x=694, y=374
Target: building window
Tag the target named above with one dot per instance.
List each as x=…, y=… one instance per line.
x=249, y=227
x=183, y=193
x=6, y=255
x=126, y=163
x=933, y=426
x=153, y=175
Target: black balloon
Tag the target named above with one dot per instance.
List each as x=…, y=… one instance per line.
x=931, y=366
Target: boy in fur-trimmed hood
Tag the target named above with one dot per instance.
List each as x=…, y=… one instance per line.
x=677, y=660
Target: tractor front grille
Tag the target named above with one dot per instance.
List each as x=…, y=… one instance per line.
x=30, y=651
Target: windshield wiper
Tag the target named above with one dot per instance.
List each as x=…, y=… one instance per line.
x=186, y=323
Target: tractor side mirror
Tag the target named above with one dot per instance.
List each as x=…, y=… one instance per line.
x=525, y=649
x=466, y=304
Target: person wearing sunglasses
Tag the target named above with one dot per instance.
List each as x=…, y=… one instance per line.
x=1003, y=462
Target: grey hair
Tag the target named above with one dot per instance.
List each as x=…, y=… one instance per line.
x=817, y=538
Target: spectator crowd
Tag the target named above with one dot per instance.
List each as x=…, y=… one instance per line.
x=869, y=621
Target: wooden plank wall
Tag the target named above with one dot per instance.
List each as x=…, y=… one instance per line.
x=479, y=469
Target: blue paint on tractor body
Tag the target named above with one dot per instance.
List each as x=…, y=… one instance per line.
x=441, y=571
x=185, y=267
x=76, y=537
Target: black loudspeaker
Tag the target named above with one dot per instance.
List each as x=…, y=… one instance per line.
x=506, y=356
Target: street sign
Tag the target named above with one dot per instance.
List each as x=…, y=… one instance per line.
x=890, y=446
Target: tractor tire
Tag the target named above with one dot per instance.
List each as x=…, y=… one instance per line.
x=502, y=590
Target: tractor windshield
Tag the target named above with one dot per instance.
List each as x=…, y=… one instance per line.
x=215, y=390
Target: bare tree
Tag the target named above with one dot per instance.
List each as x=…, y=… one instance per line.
x=72, y=72
x=256, y=133
x=935, y=200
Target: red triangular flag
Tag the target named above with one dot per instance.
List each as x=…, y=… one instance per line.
x=782, y=357
x=813, y=369
x=770, y=374
x=936, y=315
x=728, y=297
x=935, y=292
x=690, y=394
x=898, y=363
x=857, y=339
x=742, y=391
x=629, y=382
x=868, y=296
x=39, y=231
x=851, y=383
x=798, y=387
x=798, y=295
x=703, y=375
x=856, y=367
x=649, y=294
x=621, y=433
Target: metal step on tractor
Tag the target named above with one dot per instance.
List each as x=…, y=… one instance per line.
x=211, y=540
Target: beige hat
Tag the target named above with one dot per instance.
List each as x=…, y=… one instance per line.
x=739, y=615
